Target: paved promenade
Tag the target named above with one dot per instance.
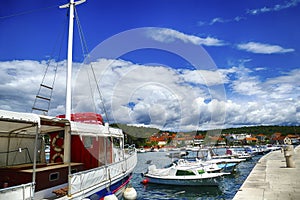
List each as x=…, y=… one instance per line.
x=270, y=179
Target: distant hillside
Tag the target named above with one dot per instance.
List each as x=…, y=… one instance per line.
x=145, y=132
x=138, y=132
x=267, y=130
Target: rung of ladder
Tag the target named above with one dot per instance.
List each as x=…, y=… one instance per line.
x=46, y=86
x=39, y=109
x=45, y=98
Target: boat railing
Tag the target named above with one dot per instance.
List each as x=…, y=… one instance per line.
x=129, y=149
x=131, y=161
x=23, y=192
x=82, y=181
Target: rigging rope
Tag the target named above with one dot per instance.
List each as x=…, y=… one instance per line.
x=27, y=12
x=85, y=53
x=61, y=38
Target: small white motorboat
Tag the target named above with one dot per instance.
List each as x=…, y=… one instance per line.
x=206, y=166
x=179, y=175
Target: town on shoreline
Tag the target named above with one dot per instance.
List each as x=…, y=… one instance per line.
x=144, y=137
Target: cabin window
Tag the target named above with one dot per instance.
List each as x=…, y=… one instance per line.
x=184, y=173
x=61, y=134
x=54, y=176
x=116, y=142
x=88, y=142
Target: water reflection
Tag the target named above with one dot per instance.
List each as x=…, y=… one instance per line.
x=180, y=192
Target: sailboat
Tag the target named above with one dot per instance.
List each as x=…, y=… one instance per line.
x=85, y=159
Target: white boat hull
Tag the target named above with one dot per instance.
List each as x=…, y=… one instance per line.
x=117, y=185
x=185, y=180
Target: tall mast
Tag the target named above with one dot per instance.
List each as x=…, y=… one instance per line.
x=71, y=7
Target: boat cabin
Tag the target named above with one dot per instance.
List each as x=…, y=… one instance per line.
x=43, y=151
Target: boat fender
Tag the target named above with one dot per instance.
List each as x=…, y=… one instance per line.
x=145, y=181
x=55, y=146
x=110, y=196
x=57, y=155
x=130, y=193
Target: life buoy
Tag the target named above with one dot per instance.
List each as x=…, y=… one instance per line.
x=55, y=146
x=57, y=155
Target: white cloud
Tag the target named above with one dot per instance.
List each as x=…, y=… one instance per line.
x=277, y=7
x=256, y=102
x=217, y=20
x=157, y=95
x=170, y=35
x=161, y=97
x=261, y=48
x=20, y=80
x=204, y=77
x=249, y=12
x=285, y=86
x=244, y=82
x=222, y=20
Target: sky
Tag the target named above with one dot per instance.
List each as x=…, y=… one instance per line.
x=176, y=65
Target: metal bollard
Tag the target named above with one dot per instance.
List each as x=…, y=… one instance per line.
x=288, y=154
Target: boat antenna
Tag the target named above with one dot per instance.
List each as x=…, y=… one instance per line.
x=71, y=5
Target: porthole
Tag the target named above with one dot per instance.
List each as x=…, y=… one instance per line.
x=54, y=176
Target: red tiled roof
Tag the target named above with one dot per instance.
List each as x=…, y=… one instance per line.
x=261, y=134
x=199, y=137
x=251, y=139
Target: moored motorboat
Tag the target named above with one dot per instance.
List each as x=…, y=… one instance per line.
x=206, y=166
x=241, y=154
x=178, y=175
x=141, y=150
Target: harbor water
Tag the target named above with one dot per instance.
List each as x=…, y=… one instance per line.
x=227, y=188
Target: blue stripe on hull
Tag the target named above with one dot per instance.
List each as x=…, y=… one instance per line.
x=227, y=167
x=203, y=182
x=116, y=187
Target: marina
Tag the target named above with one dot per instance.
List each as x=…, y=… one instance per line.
x=147, y=113
x=226, y=189
x=272, y=175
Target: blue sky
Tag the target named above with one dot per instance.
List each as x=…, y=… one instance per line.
x=146, y=57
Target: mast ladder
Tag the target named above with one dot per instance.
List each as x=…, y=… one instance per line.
x=43, y=98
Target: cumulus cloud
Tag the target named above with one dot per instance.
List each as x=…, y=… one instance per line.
x=185, y=99
x=161, y=97
x=170, y=35
x=260, y=48
x=20, y=80
x=285, y=86
x=156, y=95
x=204, y=77
x=244, y=82
x=252, y=101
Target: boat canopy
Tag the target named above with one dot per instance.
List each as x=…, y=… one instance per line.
x=94, y=130
x=15, y=122
x=20, y=133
